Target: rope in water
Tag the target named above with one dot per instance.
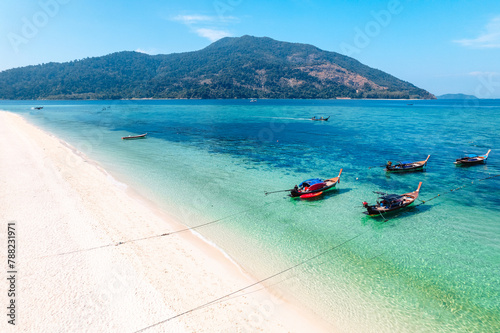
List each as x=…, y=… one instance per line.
x=287, y=278
x=441, y=194
x=458, y=188
x=267, y=278
x=253, y=284
x=238, y=213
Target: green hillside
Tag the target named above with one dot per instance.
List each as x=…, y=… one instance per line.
x=243, y=67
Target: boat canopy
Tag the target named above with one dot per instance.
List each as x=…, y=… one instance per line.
x=470, y=155
x=391, y=197
x=406, y=162
x=310, y=182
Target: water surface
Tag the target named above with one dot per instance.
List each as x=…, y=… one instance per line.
x=434, y=267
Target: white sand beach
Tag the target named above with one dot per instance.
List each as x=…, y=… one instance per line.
x=62, y=202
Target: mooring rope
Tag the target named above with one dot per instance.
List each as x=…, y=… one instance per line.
x=285, y=279
x=299, y=264
x=264, y=279
x=458, y=188
x=441, y=194
x=253, y=284
x=159, y=235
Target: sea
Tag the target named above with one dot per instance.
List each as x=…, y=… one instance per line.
x=434, y=267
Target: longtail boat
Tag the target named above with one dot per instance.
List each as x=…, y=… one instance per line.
x=134, y=136
x=314, y=187
x=391, y=202
x=320, y=119
x=471, y=159
x=406, y=166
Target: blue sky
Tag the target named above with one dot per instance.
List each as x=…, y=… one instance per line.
x=442, y=46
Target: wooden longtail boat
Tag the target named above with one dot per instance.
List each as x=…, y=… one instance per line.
x=314, y=187
x=320, y=119
x=406, y=166
x=471, y=159
x=142, y=136
x=391, y=202
x=38, y=107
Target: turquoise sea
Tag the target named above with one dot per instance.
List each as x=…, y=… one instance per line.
x=432, y=268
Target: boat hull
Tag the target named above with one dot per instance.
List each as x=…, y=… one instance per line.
x=320, y=119
x=407, y=167
x=330, y=185
x=320, y=190
x=480, y=159
x=132, y=137
x=409, y=199
x=311, y=195
x=372, y=212
x=466, y=163
x=411, y=169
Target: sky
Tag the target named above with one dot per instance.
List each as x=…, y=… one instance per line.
x=442, y=46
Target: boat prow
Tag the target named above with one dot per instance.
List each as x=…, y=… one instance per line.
x=334, y=180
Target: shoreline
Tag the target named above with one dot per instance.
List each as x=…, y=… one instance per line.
x=72, y=200
x=233, y=99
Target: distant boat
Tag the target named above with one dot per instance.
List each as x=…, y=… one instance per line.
x=471, y=159
x=142, y=136
x=314, y=187
x=38, y=107
x=391, y=202
x=253, y=100
x=320, y=119
x=406, y=166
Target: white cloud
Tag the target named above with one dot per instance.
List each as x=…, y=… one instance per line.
x=194, y=19
x=484, y=73
x=212, y=34
x=144, y=51
x=210, y=27
x=191, y=19
x=489, y=38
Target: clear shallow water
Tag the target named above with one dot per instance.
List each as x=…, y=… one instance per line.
x=433, y=268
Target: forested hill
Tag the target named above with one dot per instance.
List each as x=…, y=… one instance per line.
x=242, y=67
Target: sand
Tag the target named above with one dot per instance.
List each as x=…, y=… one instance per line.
x=69, y=213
